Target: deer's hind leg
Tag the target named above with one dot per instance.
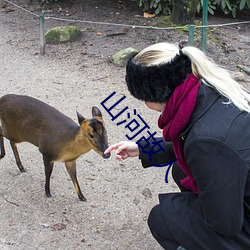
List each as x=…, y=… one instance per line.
x=1, y=144
x=48, y=164
x=71, y=168
x=18, y=161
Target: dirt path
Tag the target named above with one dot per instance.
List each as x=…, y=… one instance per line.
x=74, y=77
x=116, y=212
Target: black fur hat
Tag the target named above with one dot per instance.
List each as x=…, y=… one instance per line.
x=156, y=83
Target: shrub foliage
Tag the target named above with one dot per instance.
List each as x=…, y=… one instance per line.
x=227, y=6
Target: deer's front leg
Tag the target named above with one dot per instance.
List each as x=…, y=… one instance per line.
x=71, y=168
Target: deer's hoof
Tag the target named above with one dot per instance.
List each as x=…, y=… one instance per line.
x=82, y=198
x=48, y=195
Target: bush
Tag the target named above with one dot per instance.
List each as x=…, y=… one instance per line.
x=165, y=6
x=232, y=6
x=156, y=6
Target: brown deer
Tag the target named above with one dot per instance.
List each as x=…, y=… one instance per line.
x=59, y=138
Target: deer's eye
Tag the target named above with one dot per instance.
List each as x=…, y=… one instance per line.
x=91, y=136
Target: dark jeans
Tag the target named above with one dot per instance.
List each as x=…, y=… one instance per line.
x=156, y=222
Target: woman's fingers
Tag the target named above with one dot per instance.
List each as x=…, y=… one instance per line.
x=120, y=149
x=113, y=147
x=123, y=150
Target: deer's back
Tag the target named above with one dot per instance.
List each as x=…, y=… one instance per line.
x=24, y=118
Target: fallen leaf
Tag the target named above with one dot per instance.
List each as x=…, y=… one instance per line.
x=147, y=15
x=147, y=193
x=58, y=227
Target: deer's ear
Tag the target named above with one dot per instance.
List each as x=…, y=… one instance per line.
x=80, y=118
x=96, y=111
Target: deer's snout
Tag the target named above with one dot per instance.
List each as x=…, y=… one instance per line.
x=106, y=156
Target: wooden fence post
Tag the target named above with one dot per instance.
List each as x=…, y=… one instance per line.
x=42, y=31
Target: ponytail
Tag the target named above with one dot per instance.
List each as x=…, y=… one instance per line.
x=218, y=78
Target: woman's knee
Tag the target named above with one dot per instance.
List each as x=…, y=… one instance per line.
x=156, y=223
x=153, y=218
x=159, y=229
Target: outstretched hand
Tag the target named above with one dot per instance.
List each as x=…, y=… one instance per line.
x=124, y=149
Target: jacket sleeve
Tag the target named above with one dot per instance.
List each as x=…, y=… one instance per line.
x=161, y=157
x=220, y=173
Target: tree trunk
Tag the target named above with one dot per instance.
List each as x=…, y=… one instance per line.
x=183, y=11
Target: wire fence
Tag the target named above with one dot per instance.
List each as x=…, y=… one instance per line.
x=191, y=28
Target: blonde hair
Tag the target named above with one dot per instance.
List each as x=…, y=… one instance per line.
x=203, y=67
